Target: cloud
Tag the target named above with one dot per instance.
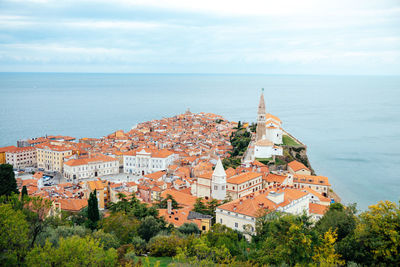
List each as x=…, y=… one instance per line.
x=199, y=36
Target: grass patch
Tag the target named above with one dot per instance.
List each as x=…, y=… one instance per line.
x=164, y=261
x=279, y=161
x=288, y=141
x=264, y=160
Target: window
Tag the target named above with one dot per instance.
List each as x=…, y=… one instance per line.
x=223, y=187
x=215, y=187
x=236, y=225
x=220, y=220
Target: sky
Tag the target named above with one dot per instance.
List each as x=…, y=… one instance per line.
x=355, y=37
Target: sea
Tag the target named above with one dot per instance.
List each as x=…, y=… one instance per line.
x=350, y=124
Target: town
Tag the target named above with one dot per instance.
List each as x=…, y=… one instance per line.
x=184, y=158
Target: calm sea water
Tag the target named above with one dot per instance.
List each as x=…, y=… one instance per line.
x=351, y=124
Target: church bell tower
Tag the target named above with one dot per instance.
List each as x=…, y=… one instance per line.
x=218, y=182
x=261, y=114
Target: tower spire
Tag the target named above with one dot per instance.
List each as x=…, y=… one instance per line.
x=218, y=181
x=261, y=105
x=260, y=130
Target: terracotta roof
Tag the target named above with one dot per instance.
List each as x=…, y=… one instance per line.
x=155, y=153
x=258, y=164
x=206, y=175
x=318, y=208
x=182, y=198
x=315, y=193
x=38, y=175
x=269, y=116
x=52, y=147
x=7, y=148
x=95, y=185
x=297, y=166
x=275, y=178
x=252, y=204
x=85, y=161
x=178, y=217
x=155, y=175
x=311, y=179
x=20, y=149
x=72, y=204
x=243, y=177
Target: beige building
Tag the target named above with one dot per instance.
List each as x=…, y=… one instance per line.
x=236, y=185
x=21, y=157
x=295, y=167
x=101, y=191
x=51, y=157
x=317, y=183
x=243, y=184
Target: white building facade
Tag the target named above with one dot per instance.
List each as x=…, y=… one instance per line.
x=218, y=182
x=144, y=161
x=241, y=214
x=90, y=167
x=266, y=149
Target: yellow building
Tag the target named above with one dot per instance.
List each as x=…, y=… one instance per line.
x=51, y=157
x=101, y=191
x=3, y=151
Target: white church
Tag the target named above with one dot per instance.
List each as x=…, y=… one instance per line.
x=268, y=133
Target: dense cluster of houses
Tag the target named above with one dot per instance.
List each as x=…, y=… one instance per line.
x=178, y=156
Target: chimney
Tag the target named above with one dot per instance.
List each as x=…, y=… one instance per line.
x=169, y=206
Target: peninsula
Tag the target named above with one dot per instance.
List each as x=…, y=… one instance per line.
x=192, y=189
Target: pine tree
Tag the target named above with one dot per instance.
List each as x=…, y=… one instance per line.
x=24, y=192
x=93, y=210
x=8, y=184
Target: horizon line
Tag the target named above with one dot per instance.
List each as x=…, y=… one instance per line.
x=190, y=73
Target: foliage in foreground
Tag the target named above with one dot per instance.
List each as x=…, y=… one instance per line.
x=29, y=238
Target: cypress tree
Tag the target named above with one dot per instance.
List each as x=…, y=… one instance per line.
x=24, y=192
x=8, y=184
x=93, y=210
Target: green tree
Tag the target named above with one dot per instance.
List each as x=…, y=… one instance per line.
x=93, y=210
x=149, y=227
x=163, y=203
x=189, y=228
x=7, y=180
x=53, y=235
x=13, y=235
x=36, y=211
x=378, y=234
x=134, y=207
x=286, y=239
x=24, y=192
x=139, y=245
x=72, y=251
x=199, y=206
x=222, y=235
x=165, y=246
x=123, y=226
x=342, y=220
x=325, y=254
x=107, y=240
x=199, y=252
x=338, y=218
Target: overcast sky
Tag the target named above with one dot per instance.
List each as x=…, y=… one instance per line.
x=202, y=36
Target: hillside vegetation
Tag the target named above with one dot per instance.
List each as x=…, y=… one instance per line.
x=342, y=237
